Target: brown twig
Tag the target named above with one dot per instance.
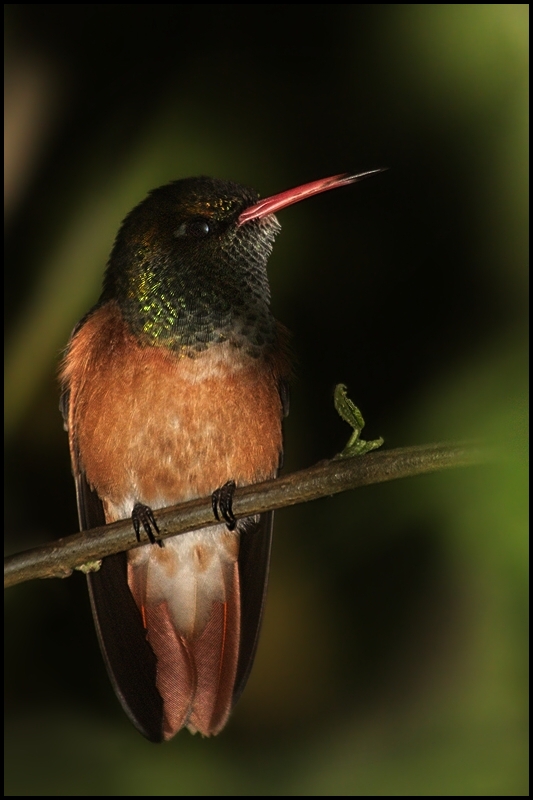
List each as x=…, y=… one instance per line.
x=58, y=559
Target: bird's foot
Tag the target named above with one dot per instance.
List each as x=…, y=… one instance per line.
x=143, y=515
x=222, y=500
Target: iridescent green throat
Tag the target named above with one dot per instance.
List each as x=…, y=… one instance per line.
x=172, y=313
x=187, y=275
x=190, y=301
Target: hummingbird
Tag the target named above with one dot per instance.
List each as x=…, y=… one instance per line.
x=174, y=387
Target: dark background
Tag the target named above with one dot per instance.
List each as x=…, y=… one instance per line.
x=392, y=659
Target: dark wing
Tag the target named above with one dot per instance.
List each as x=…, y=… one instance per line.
x=284, y=396
x=254, y=562
x=130, y=661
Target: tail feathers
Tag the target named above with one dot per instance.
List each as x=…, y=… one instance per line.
x=178, y=655
x=176, y=672
x=216, y=654
x=196, y=673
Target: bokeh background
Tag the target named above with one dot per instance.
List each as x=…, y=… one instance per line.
x=393, y=654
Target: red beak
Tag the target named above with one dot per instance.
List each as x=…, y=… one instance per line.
x=278, y=201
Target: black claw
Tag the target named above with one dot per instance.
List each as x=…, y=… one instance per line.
x=143, y=515
x=222, y=501
x=214, y=504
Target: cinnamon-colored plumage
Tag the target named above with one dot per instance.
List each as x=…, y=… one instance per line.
x=175, y=384
x=148, y=425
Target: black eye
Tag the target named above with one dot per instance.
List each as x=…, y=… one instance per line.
x=198, y=228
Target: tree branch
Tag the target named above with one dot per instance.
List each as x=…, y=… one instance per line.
x=57, y=560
